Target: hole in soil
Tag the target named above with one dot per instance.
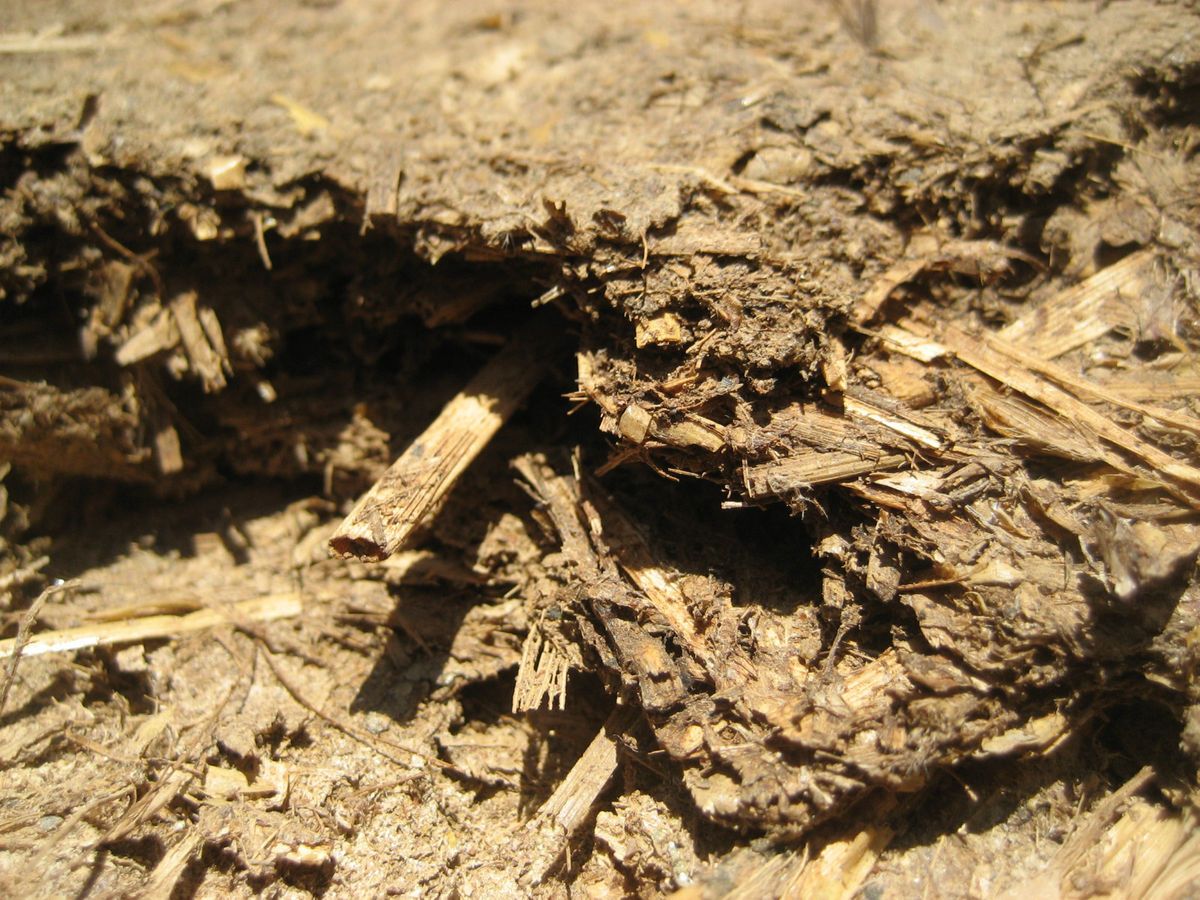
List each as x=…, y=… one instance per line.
x=765, y=554
x=1133, y=735
x=147, y=850
x=532, y=750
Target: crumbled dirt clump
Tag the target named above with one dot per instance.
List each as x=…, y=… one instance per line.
x=845, y=547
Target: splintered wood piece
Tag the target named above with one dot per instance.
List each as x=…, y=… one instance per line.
x=1084, y=312
x=590, y=387
x=871, y=302
x=417, y=483
x=893, y=422
x=1153, y=386
x=1038, y=735
x=161, y=334
x=1150, y=851
x=922, y=348
x=637, y=424
x=1013, y=416
x=542, y=673
x=561, y=500
x=168, y=453
x=580, y=527
x=841, y=867
x=573, y=801
x=575, y=798
x=166, y=789
x=1088, y=390
x=160, y=884
x=1098, y=843
x=991, y=362
x=201, y=336
x=835, y=871
x=658, y=584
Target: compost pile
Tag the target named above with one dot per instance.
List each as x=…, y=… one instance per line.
x=737, y=449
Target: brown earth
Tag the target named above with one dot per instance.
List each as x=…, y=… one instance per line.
x=850, y=528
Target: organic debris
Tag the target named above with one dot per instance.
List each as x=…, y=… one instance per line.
x=867, y=564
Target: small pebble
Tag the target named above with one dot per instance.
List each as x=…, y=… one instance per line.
x=49, y=823
x=377, y=724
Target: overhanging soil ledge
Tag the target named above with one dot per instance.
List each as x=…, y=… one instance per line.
x=758, y=449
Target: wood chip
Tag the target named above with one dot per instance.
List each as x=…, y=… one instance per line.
x=575, y=799
x=417, y=483
x=160, y=885
x=168, y=452
x=161, y=334
x=206, y=356
x=307, y=121
x=922, y=349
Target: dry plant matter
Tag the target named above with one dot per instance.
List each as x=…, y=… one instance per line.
x=854, y=555
x=414, y=487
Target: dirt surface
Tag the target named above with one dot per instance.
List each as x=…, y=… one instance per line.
x=848, y=542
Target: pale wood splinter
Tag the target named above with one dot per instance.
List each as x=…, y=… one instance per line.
x=413, y=488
